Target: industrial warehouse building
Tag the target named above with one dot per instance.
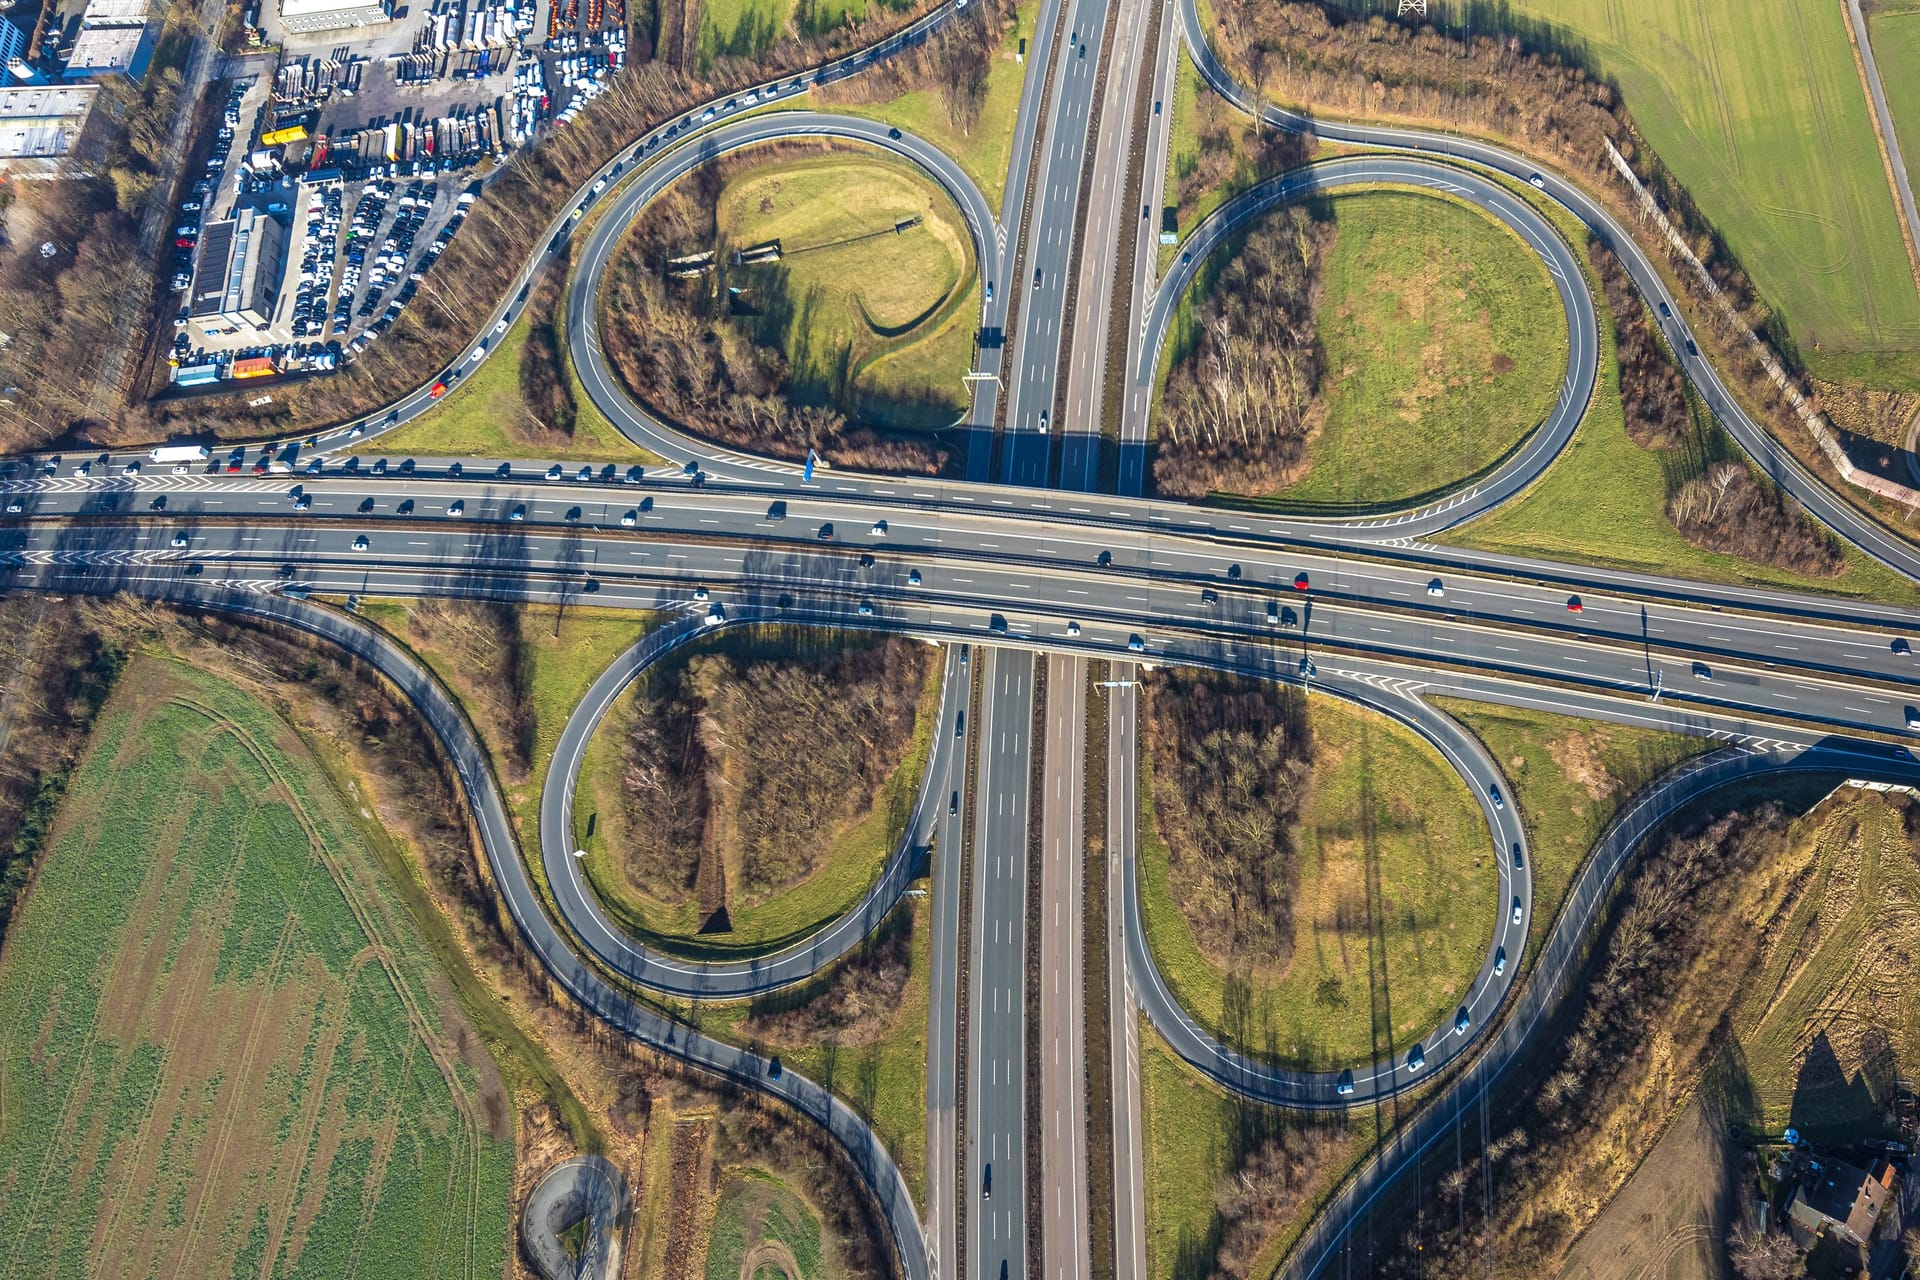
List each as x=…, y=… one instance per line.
x=237, y=280
x=302, y=16
x=42, y=126
x=115, y=38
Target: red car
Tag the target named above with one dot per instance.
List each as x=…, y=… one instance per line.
x=1299, y=582
x=1574, y=605
x=439, y=389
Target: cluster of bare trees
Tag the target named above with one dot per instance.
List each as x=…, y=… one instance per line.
x=1241, y=405
x=1525, y=87
x=813, y=743
x=683, y=346
x=1728, y=508
x=774, y=757
x=1268, y=1189
x=544, y=381
x=1651, y=390
x=1632, y=1052
x=953, y=62
x=853, y=1004
x=1234, y=152
x=1232, y=761
x=664, y=772
x=1302, y=52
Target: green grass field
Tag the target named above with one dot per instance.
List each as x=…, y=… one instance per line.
x=846, y=872
x=759, y=1219
x=860, y=299
x=225, y=1048
x=1569, y=776
x=1431, y=318
x=569, y=649
x=1603, y=501
x=984, y=150
x=1445, y=348
x=1893, y=26
x=748, y=28
x=472, y=420
x=1757, y=108
x=1380, y=796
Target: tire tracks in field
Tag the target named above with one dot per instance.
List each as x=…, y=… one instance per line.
x=1717, y=82
x=1850, y=232
x=63, y=1137
x=424, y=1034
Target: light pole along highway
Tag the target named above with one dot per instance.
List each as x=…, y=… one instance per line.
x=1848, y=656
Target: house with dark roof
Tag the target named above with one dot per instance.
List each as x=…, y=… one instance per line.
x=1842, y=1200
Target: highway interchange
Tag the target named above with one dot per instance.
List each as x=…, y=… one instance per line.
x=998, y=566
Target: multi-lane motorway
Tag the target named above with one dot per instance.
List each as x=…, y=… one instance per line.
x=1355, y=606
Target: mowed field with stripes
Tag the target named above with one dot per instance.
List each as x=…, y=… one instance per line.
x=224, y=1049
x=1758, y=108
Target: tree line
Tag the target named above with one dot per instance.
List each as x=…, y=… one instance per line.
x=1649, y=1021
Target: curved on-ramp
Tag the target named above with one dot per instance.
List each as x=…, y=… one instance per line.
x=671, y=975
x=575, y=974
x=1362, y=1083
x=628, y=416
x=1537, y=450
x=1769, y=454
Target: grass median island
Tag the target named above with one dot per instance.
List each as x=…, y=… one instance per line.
x=859, y=1029
x=1229, y=1184
x=1387, y=918
x=1569, y=777
x=1422, y=344
x=519, y=670
x=800, y=295
x=227, y=1047
x=491, y=413
x=746, y=792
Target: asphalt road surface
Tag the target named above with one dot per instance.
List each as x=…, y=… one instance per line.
x=1065, y=1232
x=997, y=1024
x=661, y=971
x=1786, y=677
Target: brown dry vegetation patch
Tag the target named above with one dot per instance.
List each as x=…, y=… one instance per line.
x=741, y=773
x=1231, y=764
x=677, y=347
x=689, y=1189
x=1881, y=416
x=1241, y=407
x=1579, y=758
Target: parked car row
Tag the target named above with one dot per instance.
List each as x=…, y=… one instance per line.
x=315, y=282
